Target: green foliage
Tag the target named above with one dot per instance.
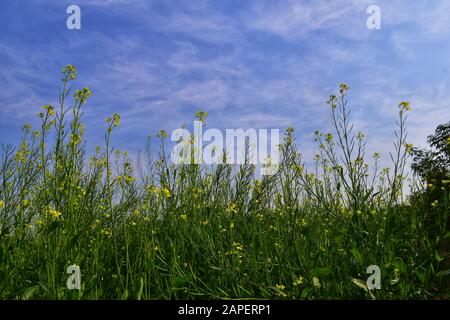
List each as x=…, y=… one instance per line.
x=148, y=229
x=435, y=162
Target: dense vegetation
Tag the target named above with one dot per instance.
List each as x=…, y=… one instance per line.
x=146, y=229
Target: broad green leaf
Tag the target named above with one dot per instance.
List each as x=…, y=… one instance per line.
x=321, y=272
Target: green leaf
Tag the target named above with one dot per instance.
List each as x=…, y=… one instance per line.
x=73, y=241
x=53, y=226
x=321, y=272
x=358, y=256
x=360, y=283
x=177, y=282
x=305, y=293
x=30, y=292
x=421, y=275
x=438, y=257
x=443, y=273
x=141, y=288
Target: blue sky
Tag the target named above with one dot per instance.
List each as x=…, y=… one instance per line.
x=249, y=64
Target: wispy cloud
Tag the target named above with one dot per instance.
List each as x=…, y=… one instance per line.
x=258, y=64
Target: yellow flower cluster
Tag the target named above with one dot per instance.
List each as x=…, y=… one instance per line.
x=116, y=120
x=280, y=289
x=50, y=110
x=2, y=204
x=298, y=281
x=54, y=213
x=237, y=251
x=164, y=192
x=83, y=95
x=232, y=209
x=343, y=88
x=238, y=246
x=201, y=115
x=302, y=222
x=23, y=153
x=408, y=147
x=126, y=179
x=106, y=232
x=25, y=203
x=71, y=71
x=74, y=139
x=162, y=134
x=404, y=106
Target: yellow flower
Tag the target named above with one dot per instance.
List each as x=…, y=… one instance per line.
x=303, y=222
x=25, y=203
x=343, y=88
x=50, y=110
x=299, y=169
x=201, y=115
x=435, y=203
x=75, y=139
x=183, y=217
x=2, y=204
x=71, y=71
x=409, y=147
x=298, y=281
x=232, y=208
x=116, y=120
x=162, y=134
x=82, y=95
x=166, y=193
x=205, y=222
x=54, y=213
x=238, y=246
x=404, y=106
x=280, y=287
x=152, y=189
x=129, y=179
x=332, y=99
